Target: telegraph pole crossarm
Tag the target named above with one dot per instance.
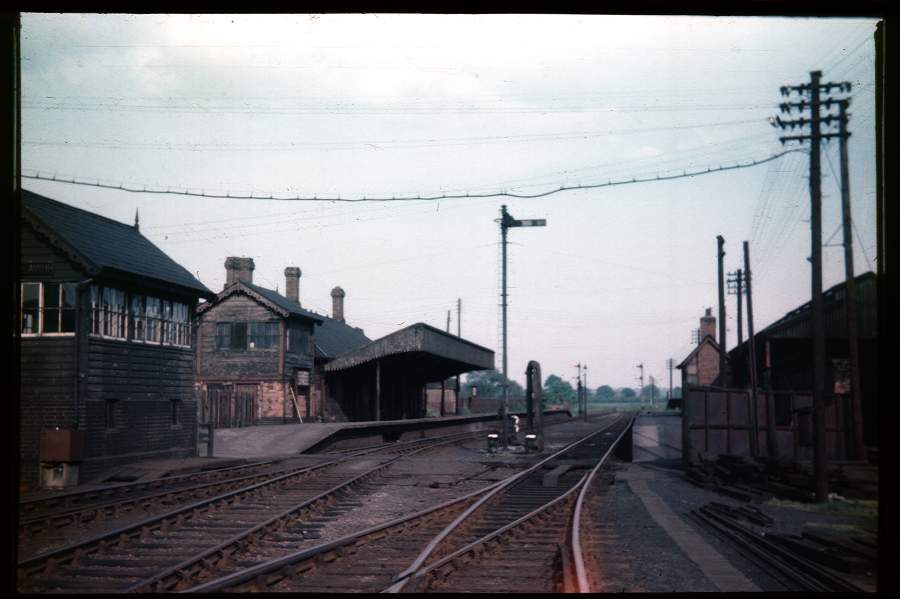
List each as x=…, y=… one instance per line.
x=814, y=90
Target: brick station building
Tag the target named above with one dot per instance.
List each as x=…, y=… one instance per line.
x=260, y=354
x=105, y=320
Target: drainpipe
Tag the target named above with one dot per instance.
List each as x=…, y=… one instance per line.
x=79, y=288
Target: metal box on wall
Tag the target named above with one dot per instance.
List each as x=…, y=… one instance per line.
x=62, y=446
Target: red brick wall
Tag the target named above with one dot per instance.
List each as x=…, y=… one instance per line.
x=707, y=364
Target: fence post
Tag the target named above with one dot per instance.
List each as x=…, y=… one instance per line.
x=685, y=428
x=211, y=442
x=625, y=449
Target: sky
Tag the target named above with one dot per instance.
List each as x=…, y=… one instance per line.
x=388, y=106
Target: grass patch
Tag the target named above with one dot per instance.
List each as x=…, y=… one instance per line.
x=856, y=508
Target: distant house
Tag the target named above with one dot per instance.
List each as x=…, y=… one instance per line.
x=701, y=366
x=106, y=326
x=260, y=354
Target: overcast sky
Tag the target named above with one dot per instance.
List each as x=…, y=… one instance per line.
x=398, y=105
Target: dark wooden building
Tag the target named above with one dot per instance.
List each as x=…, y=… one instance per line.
x=260, y=354
x=105, y=320
x=784, y=352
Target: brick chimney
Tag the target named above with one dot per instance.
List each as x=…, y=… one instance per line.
x=238, y=269
x=337, y=304
x=292, y=283
x=707, y=325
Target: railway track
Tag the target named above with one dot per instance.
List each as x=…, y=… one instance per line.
x=451, y=545
x=140, y=551
x=40, y=519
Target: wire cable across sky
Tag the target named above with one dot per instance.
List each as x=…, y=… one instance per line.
x=417, y=198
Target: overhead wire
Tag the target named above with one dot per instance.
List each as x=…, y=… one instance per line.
x=437, y=197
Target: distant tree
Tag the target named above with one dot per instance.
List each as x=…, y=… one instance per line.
x=556, y=390
x=676, y=392
x=627, y=394
x=490, y=385
x=604, y=393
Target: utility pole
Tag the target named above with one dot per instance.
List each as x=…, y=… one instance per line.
x=448, y=321
x=770, y=407
x=578, y=390
x=585, y=391
x=652, y=392
x=458, y=334
x=852, y=334
x=735, y=285
x=724, y=347
x=670, y=364
x=813, y=89
x=506, y=222
x=641, y=378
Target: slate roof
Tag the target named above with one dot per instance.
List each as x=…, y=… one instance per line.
x=282, y=302
x=102, y=244
x=269, y=298
x=708, y=339
x=334, y=337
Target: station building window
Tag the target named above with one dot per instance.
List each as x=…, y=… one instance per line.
x=242, y=336
x=47, y=309
x=139, y=318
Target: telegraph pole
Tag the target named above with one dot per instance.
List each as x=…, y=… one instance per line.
x=770, y=413
x=670, y=363
x=506, y=222
x=578, y=390
x=813, y=89
x=721, y=251
x=458, y=334
x=641, y=378
x=652, y=392
x=448, y=321
x=735, y=285
x=852, y=334
x=585, y=391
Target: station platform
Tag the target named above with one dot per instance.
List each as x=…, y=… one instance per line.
x=281, y=440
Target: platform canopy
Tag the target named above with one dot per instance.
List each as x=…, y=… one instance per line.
x=429, y=351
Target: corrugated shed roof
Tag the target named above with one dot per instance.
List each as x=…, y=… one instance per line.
x=797, y=322
x=334, y=337
x=104, y=243
x=421, y=338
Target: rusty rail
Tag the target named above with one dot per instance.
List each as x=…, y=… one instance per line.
x=48, y=562
x=386, y=543
x=413, y=578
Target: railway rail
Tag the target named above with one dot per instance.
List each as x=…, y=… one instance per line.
x=51, y=514
x=429, y=549
x=139, y=551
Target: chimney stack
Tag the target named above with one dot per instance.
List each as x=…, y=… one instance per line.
x=707, y=326
x=238, y=269
x=337, y=304
x=292, y=283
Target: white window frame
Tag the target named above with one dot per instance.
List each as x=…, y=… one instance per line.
x=101, y=315
x=41, y=320
x=142, y=318
x=158, y=318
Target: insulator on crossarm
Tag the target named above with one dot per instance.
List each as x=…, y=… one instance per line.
x=784, y=90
